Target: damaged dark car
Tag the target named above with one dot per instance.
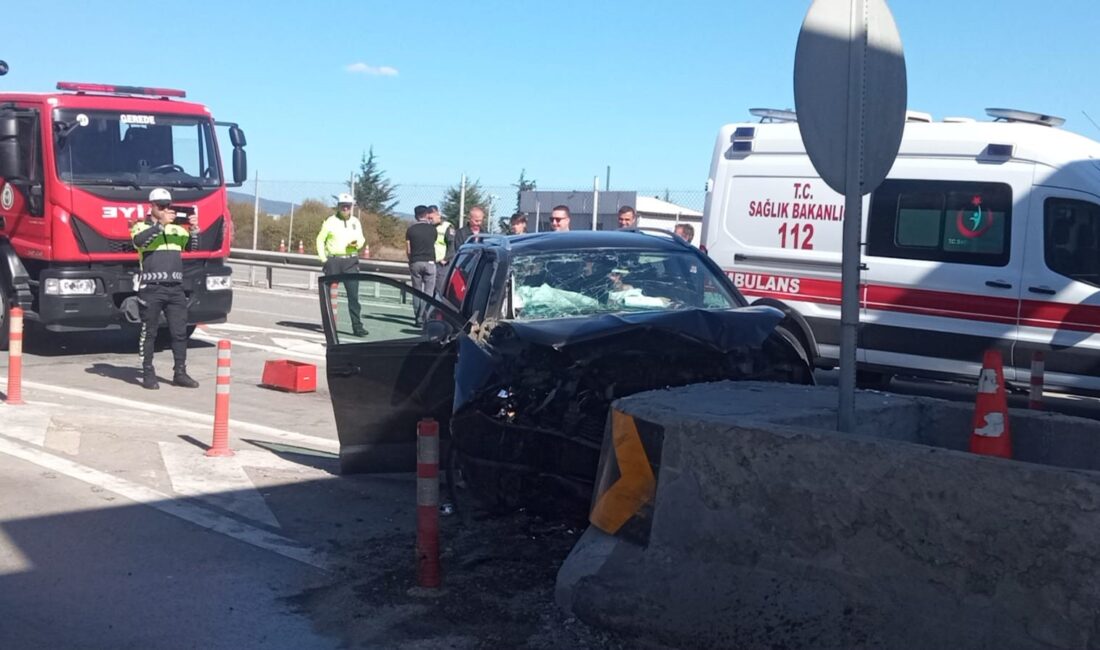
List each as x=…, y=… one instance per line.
x=525, y=347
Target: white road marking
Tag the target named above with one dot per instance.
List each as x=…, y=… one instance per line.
x=299, y=346
x=235, y=327
x=218, y=481
x=301, y=439
x=275, y=292
x=199, y=334
x=28, y=423
x=12, y=560
x=197, y=515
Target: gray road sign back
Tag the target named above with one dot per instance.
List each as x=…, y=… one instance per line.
x=849, y=74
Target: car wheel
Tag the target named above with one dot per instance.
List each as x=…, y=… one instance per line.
x=787, y=358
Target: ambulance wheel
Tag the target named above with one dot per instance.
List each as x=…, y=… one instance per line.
x=5, y=319
x=873, y=380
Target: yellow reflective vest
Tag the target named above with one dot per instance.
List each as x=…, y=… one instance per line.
x=339, y=236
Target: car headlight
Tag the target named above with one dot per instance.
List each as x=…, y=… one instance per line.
x=219, y=282
x=69, y=287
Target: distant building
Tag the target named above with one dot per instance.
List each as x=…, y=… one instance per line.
x=652, y=212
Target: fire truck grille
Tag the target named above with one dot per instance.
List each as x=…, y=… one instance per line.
x=91, y=241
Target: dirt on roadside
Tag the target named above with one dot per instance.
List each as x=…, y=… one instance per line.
x=498, y=591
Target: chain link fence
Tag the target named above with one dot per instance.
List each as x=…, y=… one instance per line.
x=289, y=213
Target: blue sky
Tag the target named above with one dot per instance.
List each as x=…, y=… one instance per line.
x=561, y=88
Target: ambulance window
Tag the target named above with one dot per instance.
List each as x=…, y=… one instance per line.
x=1071, y=230
x=941, y=221
x=919, y=220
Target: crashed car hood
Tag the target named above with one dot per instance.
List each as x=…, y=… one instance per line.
x=724, y=329
x=721, y=330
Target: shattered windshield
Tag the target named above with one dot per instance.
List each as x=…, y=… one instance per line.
x=582, y=283
x=132, y=149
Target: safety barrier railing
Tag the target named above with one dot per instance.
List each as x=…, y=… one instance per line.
x=272, y=261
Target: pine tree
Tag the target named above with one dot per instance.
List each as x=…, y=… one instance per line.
x=523, y=185
x=374, y=193
x=449, y=206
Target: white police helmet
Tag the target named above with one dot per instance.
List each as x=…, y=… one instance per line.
x=160, y=195
x=344, y=199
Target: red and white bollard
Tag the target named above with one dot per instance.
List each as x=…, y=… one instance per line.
x=1038, y=367
x=427, y=504
x=15, y=357
x=220, y=446
x=301, y=247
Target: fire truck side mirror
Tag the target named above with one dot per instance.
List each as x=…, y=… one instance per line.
x=11, y=165
x=240, y=165
x=236, y=136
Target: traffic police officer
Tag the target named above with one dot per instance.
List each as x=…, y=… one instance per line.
x=338, y=246
x=160, y=241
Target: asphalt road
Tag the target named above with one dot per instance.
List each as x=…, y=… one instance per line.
x=116, y=531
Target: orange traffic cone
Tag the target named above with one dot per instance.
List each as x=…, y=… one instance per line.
x=301, y=247
x=991, y=435
x=282, y=245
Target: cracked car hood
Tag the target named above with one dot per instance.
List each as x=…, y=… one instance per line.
x=720, y=330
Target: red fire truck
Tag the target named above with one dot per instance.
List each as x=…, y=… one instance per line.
x=76, y=168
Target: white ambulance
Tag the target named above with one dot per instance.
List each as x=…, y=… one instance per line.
x=984, y=234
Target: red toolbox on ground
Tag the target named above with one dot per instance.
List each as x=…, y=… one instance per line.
x=291, y=376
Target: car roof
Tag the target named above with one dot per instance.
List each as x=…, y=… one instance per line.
x=582, y=239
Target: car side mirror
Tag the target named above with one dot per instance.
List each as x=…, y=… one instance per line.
x=438, y=330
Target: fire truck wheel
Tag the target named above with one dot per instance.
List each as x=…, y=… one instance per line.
x=164, y=339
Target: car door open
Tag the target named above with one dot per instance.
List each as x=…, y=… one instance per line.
x=384, y=372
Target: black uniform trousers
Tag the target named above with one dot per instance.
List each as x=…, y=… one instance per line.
x=337, y=265
x=168, y=298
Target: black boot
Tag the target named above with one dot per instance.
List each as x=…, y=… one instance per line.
x=149, y=379
x=180, y=378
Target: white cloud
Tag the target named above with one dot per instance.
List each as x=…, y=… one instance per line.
x=374, y=70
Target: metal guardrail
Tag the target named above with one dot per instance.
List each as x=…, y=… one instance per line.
x=271, y=261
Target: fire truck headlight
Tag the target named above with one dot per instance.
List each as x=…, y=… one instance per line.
x=219, y=283
x=70, y=287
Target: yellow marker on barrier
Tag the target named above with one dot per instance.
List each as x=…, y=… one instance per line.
x=636, y=485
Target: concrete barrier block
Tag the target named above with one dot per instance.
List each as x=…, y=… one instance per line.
x=770, y=530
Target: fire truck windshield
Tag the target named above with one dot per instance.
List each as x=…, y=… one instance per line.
x=135, y=150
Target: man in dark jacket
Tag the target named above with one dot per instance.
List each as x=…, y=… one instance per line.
x=160, y=240
x=474, y=222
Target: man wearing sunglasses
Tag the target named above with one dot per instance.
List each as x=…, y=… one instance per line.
x=338, y=246
x=559, y=218
x=160, y=241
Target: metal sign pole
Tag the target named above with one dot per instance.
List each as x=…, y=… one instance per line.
x=595, y=200
x=853, y=219
x=849, y=66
